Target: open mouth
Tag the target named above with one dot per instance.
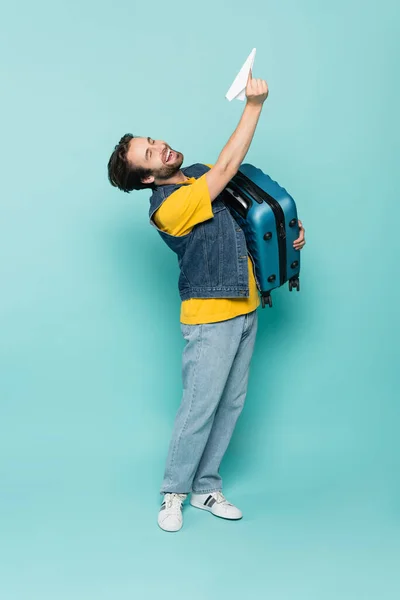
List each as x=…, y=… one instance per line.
x=168, y=156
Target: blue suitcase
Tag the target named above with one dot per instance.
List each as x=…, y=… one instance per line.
x=268, y=216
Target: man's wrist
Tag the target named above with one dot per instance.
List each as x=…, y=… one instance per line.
x=254, y=107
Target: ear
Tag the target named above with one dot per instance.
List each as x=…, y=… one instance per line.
x=149, y=179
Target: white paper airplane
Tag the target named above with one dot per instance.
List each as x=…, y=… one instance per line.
x=238, y=88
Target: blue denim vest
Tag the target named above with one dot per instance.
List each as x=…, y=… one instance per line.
x=213, y=257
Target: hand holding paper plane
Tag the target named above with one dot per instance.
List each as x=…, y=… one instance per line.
x=237, y=90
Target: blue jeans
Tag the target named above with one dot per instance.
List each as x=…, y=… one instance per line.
x=215, y=370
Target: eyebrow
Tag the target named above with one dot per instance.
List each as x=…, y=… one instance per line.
x=147, y=151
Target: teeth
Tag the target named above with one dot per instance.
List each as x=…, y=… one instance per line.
x=168, y=155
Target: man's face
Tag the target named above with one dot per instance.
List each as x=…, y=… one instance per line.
x=155, y=155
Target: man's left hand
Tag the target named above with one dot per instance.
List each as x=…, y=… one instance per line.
x=301, y=240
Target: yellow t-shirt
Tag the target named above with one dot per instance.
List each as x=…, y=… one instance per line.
x=180, y=212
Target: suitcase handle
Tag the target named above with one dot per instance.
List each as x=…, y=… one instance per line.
x=240, y=203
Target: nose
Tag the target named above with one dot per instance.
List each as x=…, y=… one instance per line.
x=160, y=146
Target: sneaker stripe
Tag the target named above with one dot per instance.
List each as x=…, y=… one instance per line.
x=205, y=503
x=212, y=502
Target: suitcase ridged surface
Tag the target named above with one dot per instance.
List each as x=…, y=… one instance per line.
x=275, y=256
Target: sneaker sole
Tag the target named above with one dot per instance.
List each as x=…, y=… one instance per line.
x=169, y=530
x=208, y=509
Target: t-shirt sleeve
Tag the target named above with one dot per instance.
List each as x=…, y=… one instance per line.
x=186, y=207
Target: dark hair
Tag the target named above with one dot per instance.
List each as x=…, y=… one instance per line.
x=121, y=173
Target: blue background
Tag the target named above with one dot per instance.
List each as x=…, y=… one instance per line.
x=90, y=347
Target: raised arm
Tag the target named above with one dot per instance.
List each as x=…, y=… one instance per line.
x=233, y=153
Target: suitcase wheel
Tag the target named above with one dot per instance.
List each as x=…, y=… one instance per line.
x=294, y=283
x=266, y=300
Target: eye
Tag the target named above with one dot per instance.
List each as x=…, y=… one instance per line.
x=149, y=152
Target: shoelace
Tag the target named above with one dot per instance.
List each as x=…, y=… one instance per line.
x=220, y=498
x=173, y=502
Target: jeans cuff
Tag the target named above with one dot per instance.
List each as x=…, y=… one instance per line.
x=173, y=492
x=207, y=491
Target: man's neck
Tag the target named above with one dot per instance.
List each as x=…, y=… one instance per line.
x=179, y=177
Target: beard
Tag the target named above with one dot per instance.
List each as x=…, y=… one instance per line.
x=169, y=170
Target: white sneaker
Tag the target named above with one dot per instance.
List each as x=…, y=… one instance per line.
x=170, y=515
x=216, y=503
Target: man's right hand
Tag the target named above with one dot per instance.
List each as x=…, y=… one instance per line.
x=235, y=150
x=256, y=90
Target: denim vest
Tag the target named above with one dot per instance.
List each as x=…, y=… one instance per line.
x=213, y=257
